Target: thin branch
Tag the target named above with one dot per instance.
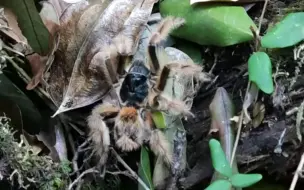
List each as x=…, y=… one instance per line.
x=256, y=35
x=125, y=173
x=262, y=16
x=134, y=175
x=76, y=155
x=236, y=142
x=77, y=180
x=26, y=78
x=296, y=175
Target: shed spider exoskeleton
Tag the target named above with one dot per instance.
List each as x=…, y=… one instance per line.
x=141, y=91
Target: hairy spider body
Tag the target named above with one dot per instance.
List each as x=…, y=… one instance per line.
x=140, y=92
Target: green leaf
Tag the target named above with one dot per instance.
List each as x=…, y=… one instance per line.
x=245, y=180
x=31, y=118
x=159, y=120
x=144, y=170
x=30, y=24
x=288, y=32
x=260, y=71
x=193, y=50
x=219, y=185
x=220, y=25
x=219, y=160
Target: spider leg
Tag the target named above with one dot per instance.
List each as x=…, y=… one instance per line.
x=160, y=146
x=158, y=142
x=99, y=132
x=161, y=102
x=127, y=40
x=128, y=130
x=163, y=30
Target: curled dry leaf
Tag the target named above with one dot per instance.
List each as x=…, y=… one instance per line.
x=250, y=98
x=14, y=31
x=258, y=114
x=49, y=12
x=222, y=110
x=86, y=67
x=37, y=63
x=30, y=24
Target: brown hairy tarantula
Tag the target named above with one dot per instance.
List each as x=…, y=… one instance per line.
x=139, y=93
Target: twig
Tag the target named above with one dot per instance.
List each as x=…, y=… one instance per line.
x=214, y=63
x=75, y=158
x=134, y=175
x=256, y=34
x=236, y=142
x=296, y=175
x=91, y=170
x=26, y=78
x=262, y=16
x=126, y=173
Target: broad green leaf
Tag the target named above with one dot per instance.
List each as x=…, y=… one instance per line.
x=219, y=185
x=144, y=170
x=220, y=25
x=226, y=1
x=288, y=32
x=159, y=120
x=245, y=180
x=219, y=160
x=32, y=120
x=260, y=71
x=193, y=50
x=30, y=24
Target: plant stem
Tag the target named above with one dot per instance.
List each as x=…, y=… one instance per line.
x=248, y=85
x=236, y=142
x=296, y=175
x=91, y=170
x=134, y=175
x=262, y=16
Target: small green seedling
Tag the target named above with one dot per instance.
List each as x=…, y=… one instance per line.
x=286, y=33
x=221, y=165
x=260, y=71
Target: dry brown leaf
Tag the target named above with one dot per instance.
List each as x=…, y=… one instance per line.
x=86, y=42
x=258, y=114
x=49, y=12
x=38, y=62
x=15, y=32
x=250, y=98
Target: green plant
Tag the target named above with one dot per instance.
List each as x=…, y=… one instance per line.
x=286, y=33
x=222, y=166
x=28, y=168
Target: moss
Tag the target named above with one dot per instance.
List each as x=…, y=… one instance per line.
x=28, y=168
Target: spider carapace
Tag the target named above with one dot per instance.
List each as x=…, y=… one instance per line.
x=134, y=88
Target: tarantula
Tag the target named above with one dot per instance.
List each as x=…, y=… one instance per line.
x=140, y=92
